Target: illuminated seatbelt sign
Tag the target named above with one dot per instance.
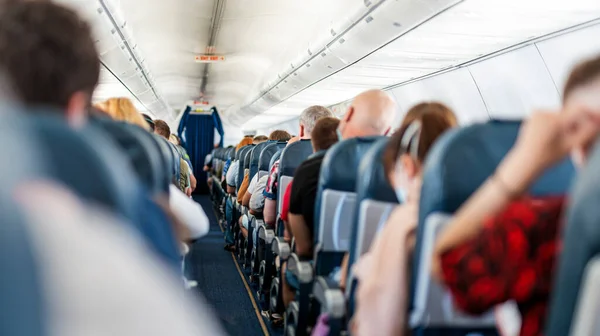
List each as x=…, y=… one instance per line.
x=209, y=58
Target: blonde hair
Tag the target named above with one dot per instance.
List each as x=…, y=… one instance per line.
x=122, y=109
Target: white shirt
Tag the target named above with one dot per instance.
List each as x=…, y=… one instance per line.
x=257, y=201
x=98, y=276
x=252, y=185
x=232, y=173
x=190, y=212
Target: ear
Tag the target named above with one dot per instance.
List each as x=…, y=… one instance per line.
x=301, y=131
x=77, y=106
x=409, y=166
x=349, y=114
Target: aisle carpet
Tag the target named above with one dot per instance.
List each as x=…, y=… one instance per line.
x=219, y=280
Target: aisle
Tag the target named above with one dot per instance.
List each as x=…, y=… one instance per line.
x=220, y=282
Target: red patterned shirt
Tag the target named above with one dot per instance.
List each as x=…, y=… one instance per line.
x=511, y=259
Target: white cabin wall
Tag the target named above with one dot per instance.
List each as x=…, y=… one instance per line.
x=509, y=85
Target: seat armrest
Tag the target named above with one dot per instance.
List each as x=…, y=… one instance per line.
x=330, y=296
x=281, y=248
x=303, y=270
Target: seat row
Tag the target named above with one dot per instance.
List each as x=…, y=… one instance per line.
x=353, y=201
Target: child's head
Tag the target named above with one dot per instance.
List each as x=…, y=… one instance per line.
x=324, y=134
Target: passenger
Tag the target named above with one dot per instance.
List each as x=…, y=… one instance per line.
x=513, y=239
x=135, y=295
x=174, y=139
x=149, y=121
x=184, y=181
x=122, y=109
x=246, y=181
x=277, y=135
x=307, y=121
x=383, y=273
x=259, y=139
x=230, y=175
x=371, y=113
x=323, y=136
x=253, y=197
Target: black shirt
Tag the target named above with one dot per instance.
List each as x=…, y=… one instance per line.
x=304, y=190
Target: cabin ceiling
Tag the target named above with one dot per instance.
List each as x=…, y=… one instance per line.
x=264, y=40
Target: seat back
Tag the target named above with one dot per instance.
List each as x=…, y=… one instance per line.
x=585, y=319
x=291, y=157
x=336, y=200
x=242, y=160
x=255, y=157
x=264, y=164
x=580, y=244
x=456, y=166
x=87, y=163
x=143, y=152
x=23, y=305
x=375, y=201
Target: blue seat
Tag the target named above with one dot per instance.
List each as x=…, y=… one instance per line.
x=291, y=157
x=143, y=152
x=23, y=306
x=375, y=200
x=242, y=155
x=335, y=205
x=266, y=155
x=255, y=157
x=580, y=251
x=456, y=166
x=87, y=164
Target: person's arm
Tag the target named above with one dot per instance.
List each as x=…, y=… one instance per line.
x=344, y=271
x=190, y=213
x=193, y=181
x=270, y=212
x=301, y=235
x=543, y=140
x=246, y=200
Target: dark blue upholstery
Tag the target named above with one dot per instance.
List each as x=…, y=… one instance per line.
x=255, y=157
x=371, y=184
x=340, y=168
x=87, y=164
x=461, y=160
x=23, y=305
x=292, y=156
x=248, y=158
x=242, y=159
x=267, y=153
x=167, y=156
x=143, y=152
x=581, y=242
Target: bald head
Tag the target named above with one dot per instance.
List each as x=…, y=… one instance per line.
x=371, y=113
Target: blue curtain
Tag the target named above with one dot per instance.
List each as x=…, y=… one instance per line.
x=199, y=132
x=218, y=125
x=182, y=124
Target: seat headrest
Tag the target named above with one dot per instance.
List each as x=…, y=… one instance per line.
x=293, y=155
x=89, y=163
x=464, y=158
x=143, y=152
x=242, y=163
x=267, y=154
x=340, y=165
x=255, y=157
x=247, y=158
x=372, y=182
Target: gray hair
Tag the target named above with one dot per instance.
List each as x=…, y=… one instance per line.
x=309, y=117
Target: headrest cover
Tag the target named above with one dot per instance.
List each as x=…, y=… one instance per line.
x=340, y=166
x=293, y=155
